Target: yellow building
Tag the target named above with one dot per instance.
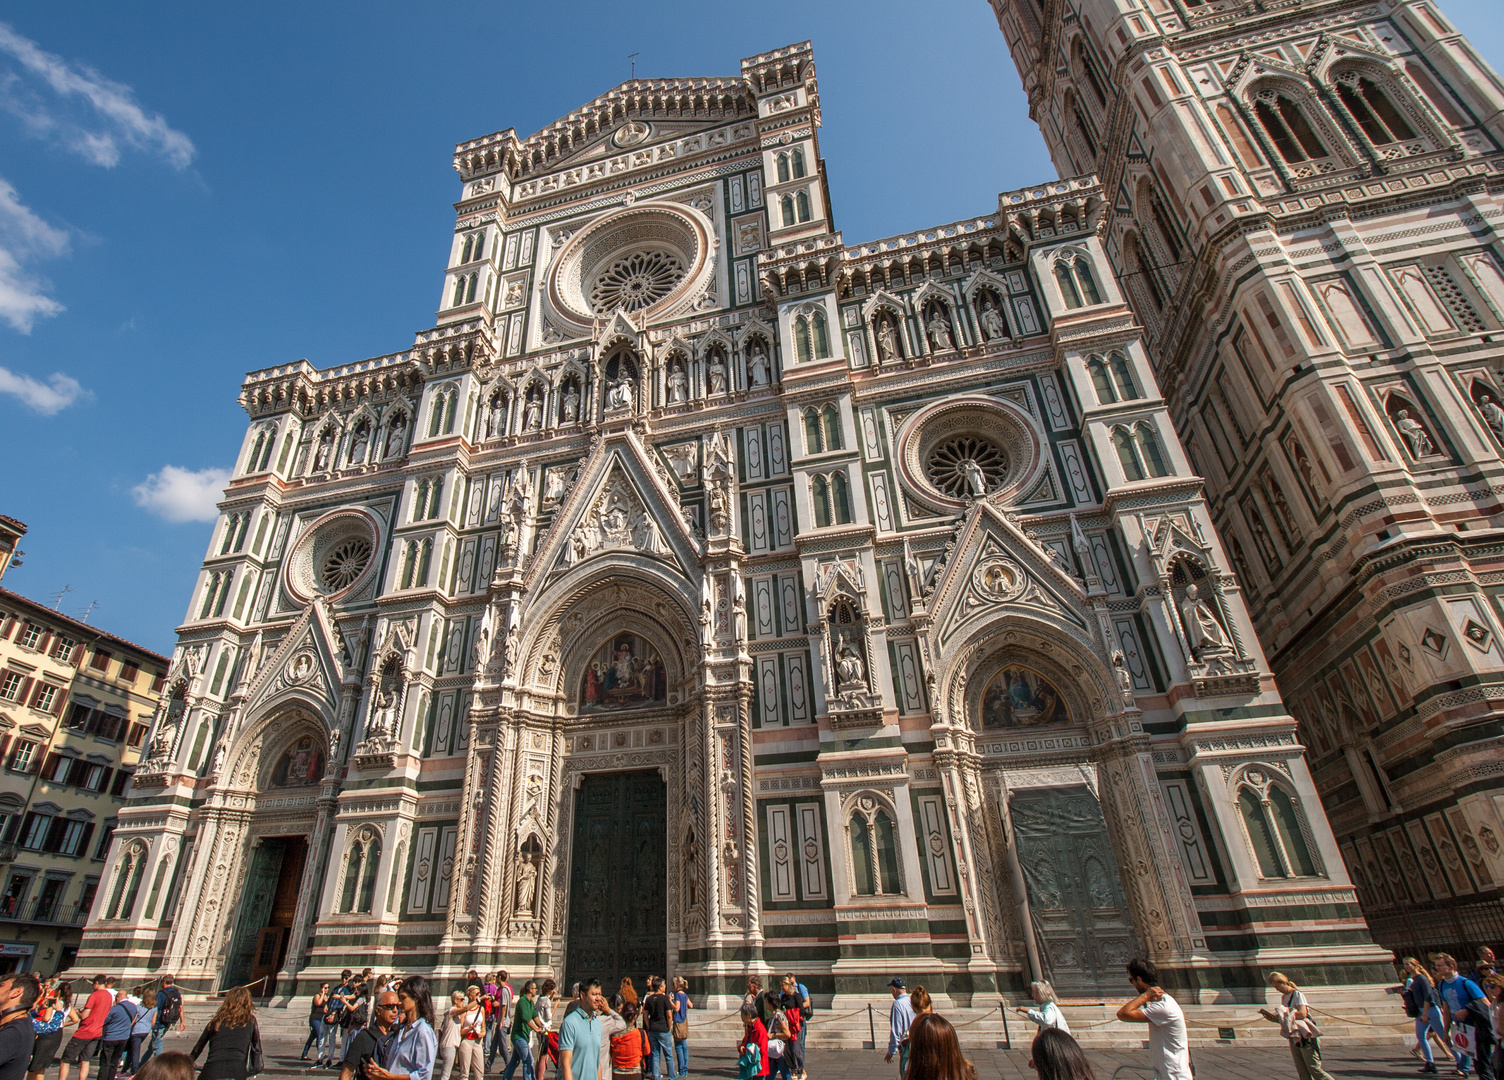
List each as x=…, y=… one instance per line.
x=75, y=703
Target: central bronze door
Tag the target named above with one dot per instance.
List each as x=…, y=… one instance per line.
x=617, y=886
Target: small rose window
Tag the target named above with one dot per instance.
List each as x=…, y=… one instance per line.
x=954, y=465
x=636, y=281
x=346, y=562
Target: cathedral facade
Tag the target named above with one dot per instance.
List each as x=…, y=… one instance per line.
x=703, y=595
x=1304, y=204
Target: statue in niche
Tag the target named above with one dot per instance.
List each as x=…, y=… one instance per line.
x=1414, y=433
x=532, y=414
x=849, y=667
x=887, y=339
x=1203, y=630
x=494, y=414
x=993, y=327
x=717, y=372
x=678, y=385
x=757, y=365
x=478, y=654
x=1125, y=680
x=1493, y=416
x=527, y=886
x=619, y=396
x=571, y=408
x=396, y=432
x=324, y=451
x=938, y=329
x=553, y=486
x=976, y=480
x=360, y=443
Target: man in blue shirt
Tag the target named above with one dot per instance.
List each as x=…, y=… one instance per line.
x=117, y=1033
x=1457, y=993
x=580, y=1035
x=899, y=1021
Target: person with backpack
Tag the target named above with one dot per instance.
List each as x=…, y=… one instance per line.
x=1465, y=1010
x=780, y=1040
x=793, y=1012
x=807, y=1009
x=1423, y=1005
x=356, y=1017
x=332, y=1045
x=169, y=1012
x=498, y=1037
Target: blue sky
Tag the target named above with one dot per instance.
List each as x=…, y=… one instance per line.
x=192, y=191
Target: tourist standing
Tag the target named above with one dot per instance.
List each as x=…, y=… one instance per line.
x=525, y=1024
x=807, y=1009
x=935, y=1051
x=547, y=1048
x=752, y=1051
x=340, y=1003
x=779, y=1039
x=47, y=1023
x=370, y=1040
x=657, y=1022
x=117, y=1035
x=793, y=1013
x=449, y=1036
x=630, y=1046
x=472, y=1052
x=315, y=1019
x=411, y=1053
x=19, y=991
x=900, y=1017
x=1294, y=1019
x=1055, y=1055
x=141, y=1031
x=1168, y=1048
x=682, y=1005
x=233, y=1039
x=1046, y=1012
x=581, y=1033
x=500, y=1034
x=628, y=992
x=83, y=1047
x=1423, y=1005
x=1465, y=1011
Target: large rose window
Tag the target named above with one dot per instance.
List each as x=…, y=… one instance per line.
x=969, y=447
x=333, y=555
x=635, y=281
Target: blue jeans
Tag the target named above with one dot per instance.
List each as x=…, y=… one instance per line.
x=1427, y=1022
x=496, y=1042
x=662, y=1043
x=681, y=1057
x=157, y=1033
x=523, y=1053
x=315, y=1033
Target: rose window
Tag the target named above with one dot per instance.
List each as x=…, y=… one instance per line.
x=345, y=563
x=636, y=281
x=952, y=465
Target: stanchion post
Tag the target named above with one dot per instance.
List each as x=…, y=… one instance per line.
x=871, y=1030
x=1007, y=1037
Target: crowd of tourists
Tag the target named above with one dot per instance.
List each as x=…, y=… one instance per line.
x=1465, y=1016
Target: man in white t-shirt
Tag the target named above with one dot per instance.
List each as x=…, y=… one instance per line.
x=1168, y=1049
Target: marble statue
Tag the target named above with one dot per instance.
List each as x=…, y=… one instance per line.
x=1202, y=628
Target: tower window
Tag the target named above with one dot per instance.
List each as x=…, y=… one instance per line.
x=1373, y=111
x=783, y=168
x=786, y=205
x=802, y=200
x=798, y=162
x=1287, y=128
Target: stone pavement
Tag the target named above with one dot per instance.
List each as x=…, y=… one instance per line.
x=1212, y=1063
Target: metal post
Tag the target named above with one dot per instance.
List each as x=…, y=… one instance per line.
x=1007, y=1037
x=871, y=1030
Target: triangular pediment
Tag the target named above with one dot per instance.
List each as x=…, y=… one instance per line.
x=996, y=566
x=305, y=664
x=624, y=502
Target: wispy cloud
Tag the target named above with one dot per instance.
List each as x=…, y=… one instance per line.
x=73, y=105
x=25, y=237
x=179, y=494
x=48, y=398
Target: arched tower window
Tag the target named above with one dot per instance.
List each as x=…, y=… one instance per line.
x=1287, y=127
x=783, y=168
x=1127, y=454
x=1148, y=446
x=819, y=496
x=786, y=206
x=802, y=199
x=1272, y=818
x=1100, y=381
x=874, y=850
x=1372, y=109
x=1068, y=291
x=1122, y=376
x=797, y=159
x=1260, y=836
x=841, y=496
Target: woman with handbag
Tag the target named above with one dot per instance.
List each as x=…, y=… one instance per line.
x=472, y=1056
x=682, y=1005
x=1294, y=1019
x=233, y=1039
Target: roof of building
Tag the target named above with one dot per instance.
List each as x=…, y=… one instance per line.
x=18, y=527
x=84, y=629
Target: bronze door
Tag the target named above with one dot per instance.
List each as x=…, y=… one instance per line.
x=617, y=895
x=1075, y=895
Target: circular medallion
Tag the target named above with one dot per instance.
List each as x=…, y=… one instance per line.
x=631, y=133
x=999, y=579
x=301, y=667
x=333, y=556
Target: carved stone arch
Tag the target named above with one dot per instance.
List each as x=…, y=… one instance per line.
x=1260, y=775
x=884, y=300
x=984, y=287
x=715, y=337
x=1406, y=98
x=277, y=740
x=1298, y=88
x=837, y=583
x=246, y=766
x=852, y=802
x=1073, y=665
x=611, y=596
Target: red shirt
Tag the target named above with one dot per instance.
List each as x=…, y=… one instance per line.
x=99, y=1004
x=628, y=1048
x=757, y=1035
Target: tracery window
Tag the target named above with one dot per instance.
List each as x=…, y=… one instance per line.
x=874, y=850
x=1077, y=285
x=831, y=499
x=1287, y=127
x=802, y=202
x=475, y=247
x=1276, y=831
x=415, y=559
x=441, y=415
x=129, y=870
x=362, y=860
x=1139, y=451
x=811, y=337
x=1112, y=379
x=786, y=206
x=1372, y=109
x=822, y=429
x=464, y=289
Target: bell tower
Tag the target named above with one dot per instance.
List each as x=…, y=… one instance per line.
x=1304, y=211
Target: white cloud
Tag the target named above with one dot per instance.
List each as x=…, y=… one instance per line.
x=111, y=117
x=48, y=398
x=179, y=494
x=23, y=237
